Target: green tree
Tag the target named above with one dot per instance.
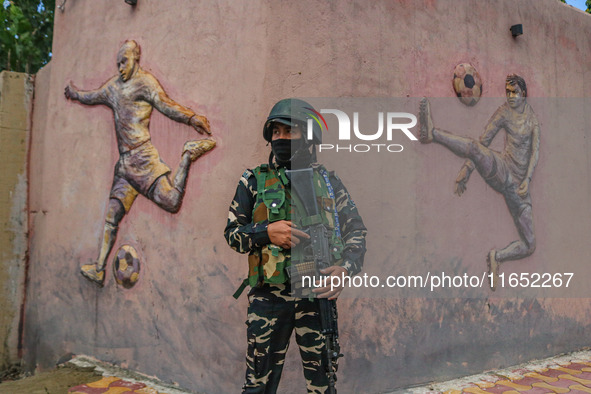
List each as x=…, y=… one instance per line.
x=587, y=4
x=26, y=34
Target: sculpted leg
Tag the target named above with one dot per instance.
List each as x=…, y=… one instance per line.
x=467, y=148
x=527, y=243
x=169, y=196
x=96, y=272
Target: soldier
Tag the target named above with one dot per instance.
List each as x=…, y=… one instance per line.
x=508, y=172
x=132, y=94
x=266, y=231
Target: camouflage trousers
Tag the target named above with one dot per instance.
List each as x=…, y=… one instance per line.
x=272, y=316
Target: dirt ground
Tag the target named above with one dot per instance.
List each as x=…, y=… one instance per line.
x=76, y=370
x=57, y=381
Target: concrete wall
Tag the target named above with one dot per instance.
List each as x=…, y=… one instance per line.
x=16, y=98
x=231, y=61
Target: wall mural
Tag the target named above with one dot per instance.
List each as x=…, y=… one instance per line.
x=508, y=172
x=132, y=94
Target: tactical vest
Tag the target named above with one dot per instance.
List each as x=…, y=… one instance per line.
x=274, y=202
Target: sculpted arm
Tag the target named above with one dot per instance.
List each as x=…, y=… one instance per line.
x=89, y=97
x=176, y=111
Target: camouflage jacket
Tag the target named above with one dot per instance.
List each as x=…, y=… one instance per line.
x=245, y=236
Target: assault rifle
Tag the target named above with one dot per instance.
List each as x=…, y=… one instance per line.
x=318, y=248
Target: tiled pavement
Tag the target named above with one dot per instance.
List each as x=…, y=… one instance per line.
x=112, y=385
x=564, y=374
x=117, y=380
x=572, y=378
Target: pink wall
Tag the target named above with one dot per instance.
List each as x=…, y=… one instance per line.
x=231, y=61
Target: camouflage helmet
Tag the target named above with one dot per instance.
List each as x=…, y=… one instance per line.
x=291, y=112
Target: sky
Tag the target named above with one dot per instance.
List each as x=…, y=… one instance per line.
x=580, y=4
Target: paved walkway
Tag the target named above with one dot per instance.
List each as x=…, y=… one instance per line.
x=564, y=374
x=113, y=385
x=116, y=380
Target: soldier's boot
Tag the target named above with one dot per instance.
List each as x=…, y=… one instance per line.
x=96, y=272
x=197, y=148
x=426, y=127
x=493, y=270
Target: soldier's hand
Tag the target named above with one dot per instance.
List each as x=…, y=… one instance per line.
x=200, y=124
x=523, y=188
x=285, y=234
x=462, y=180
x=71, y=92
x=332, y=292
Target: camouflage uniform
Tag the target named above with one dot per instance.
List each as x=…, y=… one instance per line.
x=273, y=313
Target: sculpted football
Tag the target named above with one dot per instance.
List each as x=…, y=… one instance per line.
x=126, y=266
x=467, y=84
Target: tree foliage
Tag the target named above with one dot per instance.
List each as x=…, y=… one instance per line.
x=587, y=4
x=26, y=34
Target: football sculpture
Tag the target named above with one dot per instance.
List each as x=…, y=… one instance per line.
x=467, y=84
x=126, y=266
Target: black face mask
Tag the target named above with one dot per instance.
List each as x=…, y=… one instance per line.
x=283, y=149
